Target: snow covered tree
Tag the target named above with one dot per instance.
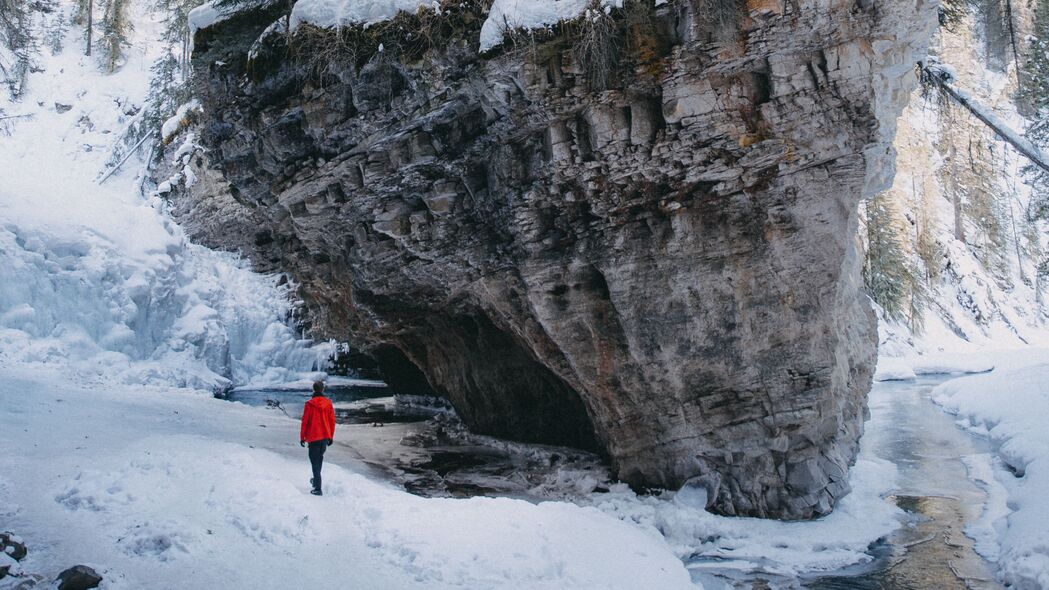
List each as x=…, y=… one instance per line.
x=114, y=29
x=176, y=29
x=17, y=44
x=85, y=17
x=889, y=275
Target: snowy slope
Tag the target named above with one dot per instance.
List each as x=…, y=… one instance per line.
x=975, y=299
x=96, y=278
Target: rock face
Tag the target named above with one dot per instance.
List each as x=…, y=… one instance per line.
x=665, y=271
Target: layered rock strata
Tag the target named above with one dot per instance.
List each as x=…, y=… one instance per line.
x=665, y=270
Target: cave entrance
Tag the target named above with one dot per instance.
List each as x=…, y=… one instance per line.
x=493, y=380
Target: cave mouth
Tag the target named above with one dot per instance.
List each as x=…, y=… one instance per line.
x=493, y=380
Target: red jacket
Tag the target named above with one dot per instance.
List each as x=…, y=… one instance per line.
x=318, y=420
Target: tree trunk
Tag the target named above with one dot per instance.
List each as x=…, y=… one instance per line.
x=1021, y=144
x=90, y=9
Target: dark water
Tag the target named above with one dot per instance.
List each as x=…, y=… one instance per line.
x=352, y=403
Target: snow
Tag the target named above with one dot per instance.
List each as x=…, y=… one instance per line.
x=788, y=549
x=911, y=366
x=306, y=383
x=503, y=16
x=1010, y=406
x=168, y=488
x=113, y=326
x=177, y=121
x=207, y=15
x=340, y=13
x=507, y=15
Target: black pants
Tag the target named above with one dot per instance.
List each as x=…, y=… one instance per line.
x=317, y=459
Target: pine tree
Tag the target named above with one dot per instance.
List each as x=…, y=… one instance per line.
x=889, y=275
x=85, y=17
x=17, y=44
x=1034, y=96
x=176, y=29
x=114, y=29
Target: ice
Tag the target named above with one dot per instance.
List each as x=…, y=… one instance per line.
x=96, y=278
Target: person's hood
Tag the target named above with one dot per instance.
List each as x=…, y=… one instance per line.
x=319, y=400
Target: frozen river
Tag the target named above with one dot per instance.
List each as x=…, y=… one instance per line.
x=932, y=455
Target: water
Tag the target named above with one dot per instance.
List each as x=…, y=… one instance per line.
x=930, y=551
x=354, y=404
x=928, y=448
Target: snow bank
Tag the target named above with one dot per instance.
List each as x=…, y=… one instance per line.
x=1010, y=406
x=208, y=14
x=340, y=13
x=910, y=367
x=177, y=121
x=507, y=15
x=306, y=383
x=184, y=491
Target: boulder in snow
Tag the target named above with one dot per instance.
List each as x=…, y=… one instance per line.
x=78, y=577
x=13, y=545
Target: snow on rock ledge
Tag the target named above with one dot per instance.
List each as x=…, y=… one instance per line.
x=507, y=15
x=504, y=15
x=340, y=13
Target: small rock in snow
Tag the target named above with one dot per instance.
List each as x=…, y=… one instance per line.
x=62, y=108
x=13, y=545
x=78, y=577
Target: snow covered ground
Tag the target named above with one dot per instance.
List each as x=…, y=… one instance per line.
x=169, y=488
x=503, y=16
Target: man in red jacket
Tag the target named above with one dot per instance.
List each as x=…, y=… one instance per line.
x=318, y=430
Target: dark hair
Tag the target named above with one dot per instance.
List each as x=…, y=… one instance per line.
x=318, y=387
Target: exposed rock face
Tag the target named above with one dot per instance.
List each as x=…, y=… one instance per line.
x=665, y=271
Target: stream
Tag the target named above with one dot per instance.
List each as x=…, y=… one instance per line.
x=929, y=551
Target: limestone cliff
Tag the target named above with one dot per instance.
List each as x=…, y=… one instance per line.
x=661, y=265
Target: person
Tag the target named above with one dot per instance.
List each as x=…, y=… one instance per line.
x=317, y=431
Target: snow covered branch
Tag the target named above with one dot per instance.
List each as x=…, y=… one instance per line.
x=942, y=76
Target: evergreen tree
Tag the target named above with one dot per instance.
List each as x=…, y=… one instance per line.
x=1034, y=96
x=84, y=16
x=17, y=44
x=114, y=29
x=889, y=275
x=176, y=29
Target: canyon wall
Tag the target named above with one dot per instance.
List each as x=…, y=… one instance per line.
x=660, y=265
